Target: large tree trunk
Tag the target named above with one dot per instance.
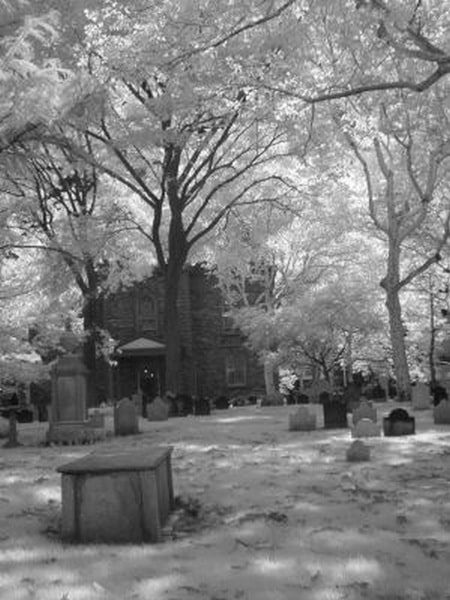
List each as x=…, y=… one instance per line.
x=269, y=376
x=172, y=330
x=397, y=335
x=91, y=326
x=391, y=285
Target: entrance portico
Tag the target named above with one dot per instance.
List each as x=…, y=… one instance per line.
x=140, y=369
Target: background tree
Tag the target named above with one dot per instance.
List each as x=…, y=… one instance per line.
x=179, y=130
x=411, y=163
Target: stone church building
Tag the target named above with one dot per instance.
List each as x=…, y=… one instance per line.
x=215, y=360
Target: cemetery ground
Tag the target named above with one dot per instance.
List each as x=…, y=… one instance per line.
x=263, y=513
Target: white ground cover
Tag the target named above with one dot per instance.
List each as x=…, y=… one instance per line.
x=265, y=514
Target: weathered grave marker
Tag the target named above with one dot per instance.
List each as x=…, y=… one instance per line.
x=364, y=411
x=302, y=420
x=125, y=418
x=358, y=452
x=399, y=422
x=334, y=415
x=158, y=410
x=366, y=428
x=420, y=396
x=441, y=413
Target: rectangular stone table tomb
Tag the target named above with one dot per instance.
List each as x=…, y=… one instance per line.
x=117, y=498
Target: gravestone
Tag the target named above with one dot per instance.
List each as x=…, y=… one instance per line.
x=364, y=411
x=358, y=452
x=4, y=427
x=158, y=410
x=202, y=406
x=334, y=415
x=222, y=403
x=69, y=382
x=366, y=428
x=420, y=396
x=302, y=420
x=399, y=422
x=441, y=413
x=68, y=387
x=126, y=418
x=12, y=441
x=117, y=498
x=439, y=393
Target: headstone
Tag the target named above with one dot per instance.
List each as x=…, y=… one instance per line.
x=358, y=452
x=222, y=403
x=441, y=413
x=69, y=383
x=202, y=406
x=302, y=420
x=366, y=428
x=4, y=427
x=399, y=422
x=125, y=418
x=158, y=410
x=12, y=441
x=365, y=410
x=439, y=394
x=420, y=396
x=334, y=415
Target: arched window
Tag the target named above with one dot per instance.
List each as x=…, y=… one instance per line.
x=146, y=312
x=236, y=369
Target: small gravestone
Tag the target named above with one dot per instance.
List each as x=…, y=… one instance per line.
x=125, y=418
x=366, y=428
x=439, y=394
x=158, y=410
x=420, y=396
x=302, y=420
x=202, y=406
x=399, y=422
x=4, y=427
x=12, y=441
x=441, y=413
x=364, y=411
x=358, y=452
x=334, y=415
x=222, y=403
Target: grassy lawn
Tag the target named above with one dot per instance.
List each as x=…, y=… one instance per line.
x=263, y=514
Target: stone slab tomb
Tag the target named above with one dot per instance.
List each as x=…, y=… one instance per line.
x=366, y=428
x=302, y=420
x=420, y=396
x=364, y=411
x=117, y=498
x=399, y=422
x=126, y=420
x=441, y=413
x=334, y=415
x=358, y=452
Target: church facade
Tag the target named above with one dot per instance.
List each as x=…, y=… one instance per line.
x=215, y=359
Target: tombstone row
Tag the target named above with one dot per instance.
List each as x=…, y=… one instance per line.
x=364, y=419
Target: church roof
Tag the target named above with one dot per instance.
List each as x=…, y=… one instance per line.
x=141, y=347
